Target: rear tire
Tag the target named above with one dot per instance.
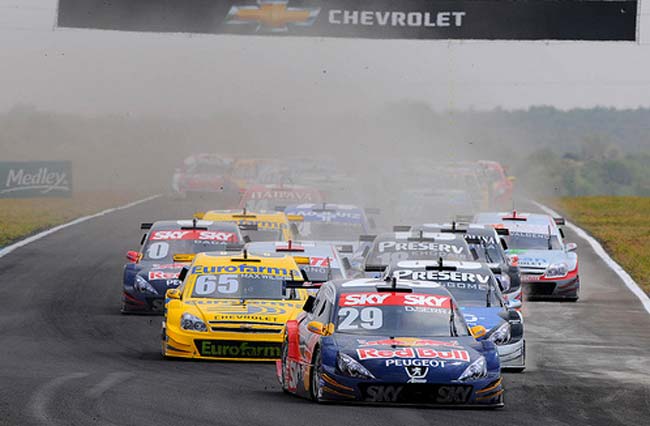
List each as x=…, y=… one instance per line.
x=315, y=390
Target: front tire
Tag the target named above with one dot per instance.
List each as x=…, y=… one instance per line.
x=315, y=390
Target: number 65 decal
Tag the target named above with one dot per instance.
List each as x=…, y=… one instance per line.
x=224, y=284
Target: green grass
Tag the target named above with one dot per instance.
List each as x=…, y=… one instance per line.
x=22, y=217
x=621, y=224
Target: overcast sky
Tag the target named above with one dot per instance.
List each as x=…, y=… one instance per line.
x=98, y=72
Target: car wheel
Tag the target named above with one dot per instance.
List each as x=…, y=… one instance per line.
x=283, y=360
x=315, y=389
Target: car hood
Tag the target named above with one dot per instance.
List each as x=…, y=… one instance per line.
x=401, y=359
x=487, y=317
x=540, y=258
x=251, y=311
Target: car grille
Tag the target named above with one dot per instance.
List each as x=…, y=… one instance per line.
x=246, y=327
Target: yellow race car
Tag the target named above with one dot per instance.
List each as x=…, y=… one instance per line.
x=232, y=307
x=258, y=226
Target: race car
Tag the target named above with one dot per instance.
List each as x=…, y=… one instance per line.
x=480, y=300
x=232, y=307
x=204, y=173
x=501, y=186
x=340, y=224
x=318, y=260
x=166, y=248
x=271, y=196
x=549, y=266
x=388, y=342
x=257, y=226
x=390, y=247
x=487, y=245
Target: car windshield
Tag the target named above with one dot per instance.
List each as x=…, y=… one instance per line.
x=163, y=245
x=391, y=251
x=531, y=241
x=488, y=253
x=234, y=286
x=330, y=231
x=398, y=314
x=263, y=234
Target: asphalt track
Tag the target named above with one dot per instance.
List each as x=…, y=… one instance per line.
x=67, y=356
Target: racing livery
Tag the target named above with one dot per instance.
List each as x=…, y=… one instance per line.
x=388, y=342
x=204, y=173
x=232, y=307
x=257, y=226
x=166, y=248
x=549, y=267
x=272, y=196
x=475, y=290
x=487, y=245
x=390, y=247
x=336, y=223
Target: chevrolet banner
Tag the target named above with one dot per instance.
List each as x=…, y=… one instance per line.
x=26, y=179
x=379, y=19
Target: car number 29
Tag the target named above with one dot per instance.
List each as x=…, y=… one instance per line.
x=368, y=318
x=224, y=284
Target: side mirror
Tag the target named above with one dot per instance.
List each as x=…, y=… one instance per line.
x=478, y=331
x=309, y=304
x=319, y=328
x=173, y=293
x=183, y=273
x=571, y=246
x=511, y=316
x=133, y=256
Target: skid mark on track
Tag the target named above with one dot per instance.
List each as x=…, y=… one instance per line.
x=43, y=396
x=109, y=381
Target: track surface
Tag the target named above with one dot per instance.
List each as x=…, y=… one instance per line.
x=67, y=357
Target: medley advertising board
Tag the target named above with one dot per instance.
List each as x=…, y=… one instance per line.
x=379, y=19
x=27, y=179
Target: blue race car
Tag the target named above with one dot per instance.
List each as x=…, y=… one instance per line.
x=166, y=248
x=388, y=342
x=340, y=224
x=477, y=293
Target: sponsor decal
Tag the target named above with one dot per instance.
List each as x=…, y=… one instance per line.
x=272, y=15
x=451, y=276
x=322, y=262
x=243, y=268
x=328, y=215
x=453, y=394
x=423, y=363
x=282, y=195
x=408, y=341
x=238, y=349
x=35, y=179
x=426, y=353
x=168, y=265
x=408, y=19
x=417, y=374
x=262, y=224
x=383, y=393
x=225, y=237
x=395, y=299
x=162, y=275
x=391, y=246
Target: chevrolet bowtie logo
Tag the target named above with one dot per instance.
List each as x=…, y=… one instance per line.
x=273, y=15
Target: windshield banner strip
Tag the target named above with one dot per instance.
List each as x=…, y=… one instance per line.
x=395, y=299
x=375, y=19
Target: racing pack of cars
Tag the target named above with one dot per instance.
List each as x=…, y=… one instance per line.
x=349, y=309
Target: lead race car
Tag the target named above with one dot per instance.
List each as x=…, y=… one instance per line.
x=166, y=247
x=475, y=290
x=549, y=267
x=396, y=342
x=232, y=307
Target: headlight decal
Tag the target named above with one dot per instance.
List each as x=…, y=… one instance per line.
x=192, y=323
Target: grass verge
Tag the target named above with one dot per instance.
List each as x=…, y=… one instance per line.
x=22, y=217
x=621, y=224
